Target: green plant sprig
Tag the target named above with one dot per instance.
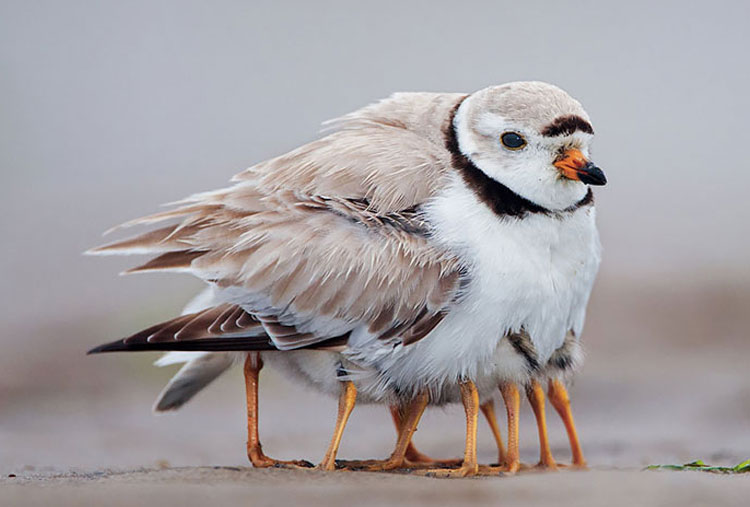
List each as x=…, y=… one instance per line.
x=700, y=466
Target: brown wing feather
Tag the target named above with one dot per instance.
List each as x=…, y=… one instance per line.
x=223, y=313
x=170, y=261
x=150, y=242
x=421, y=328
x=200, y=325
x=194, y=332
x=330, y=229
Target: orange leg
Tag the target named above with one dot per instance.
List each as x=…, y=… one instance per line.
x=412, y=454
x=406, y=427
x=403, y=419
x=488, y=409
x=558, y=397
x=347, y=399
x=253, y=365
x=535, y=394
x=512, y=400
x=414, y=458
x=469, y=466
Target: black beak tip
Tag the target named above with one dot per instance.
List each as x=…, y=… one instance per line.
x=592, y=175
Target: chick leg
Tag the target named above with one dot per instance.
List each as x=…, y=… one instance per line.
x=253, y=365
x=512, y=400
x=558, y=397
x=488, y=409
x=347, y=399
x=535, y=394
x=469, y=466
x=408, y=425
x=412, y=454
x=414, y=458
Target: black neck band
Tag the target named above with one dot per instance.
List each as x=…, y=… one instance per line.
x=500, y=199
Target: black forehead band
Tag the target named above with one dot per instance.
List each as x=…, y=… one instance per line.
x=566, y=125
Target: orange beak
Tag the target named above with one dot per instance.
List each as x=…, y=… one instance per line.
x=574, y=166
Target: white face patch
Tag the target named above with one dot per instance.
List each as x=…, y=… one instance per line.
x=529, y=171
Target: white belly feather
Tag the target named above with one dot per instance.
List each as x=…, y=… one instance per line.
x=534, y=273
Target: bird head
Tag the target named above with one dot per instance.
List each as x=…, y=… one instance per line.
x=533, y=138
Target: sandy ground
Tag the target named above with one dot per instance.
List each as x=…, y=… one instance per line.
x=665, y=382
x=190, y=486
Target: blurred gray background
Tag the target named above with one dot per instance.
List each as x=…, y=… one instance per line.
x=109, y=109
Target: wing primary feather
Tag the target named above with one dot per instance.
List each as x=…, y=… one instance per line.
x=254, y=343
x=170, y=261
x=240, y=344
x=422, y=328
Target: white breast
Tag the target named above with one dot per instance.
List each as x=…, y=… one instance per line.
x=534, y=273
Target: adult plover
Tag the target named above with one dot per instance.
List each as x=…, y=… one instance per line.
x=445, y=244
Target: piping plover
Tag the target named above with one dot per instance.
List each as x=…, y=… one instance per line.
x=445, y=244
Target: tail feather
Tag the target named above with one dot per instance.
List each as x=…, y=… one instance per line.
x=192, y=378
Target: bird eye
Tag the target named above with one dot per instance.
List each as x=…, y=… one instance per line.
x=512, y=140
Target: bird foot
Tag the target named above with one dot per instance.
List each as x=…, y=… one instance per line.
x=416, y=459
x=435, y=463
x=452, y=473
x=548, y=466
x=366, y=465
x=505, y=469
x=582, y=465
x=294, y=464
x=263, y=461
x=354, y=464
x=387, y=465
